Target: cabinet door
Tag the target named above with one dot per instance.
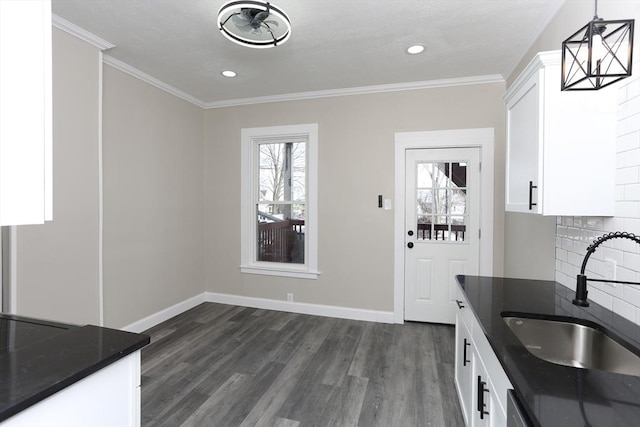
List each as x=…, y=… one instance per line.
x=464, y=368
x=486, y=406
x=481, y=402
x=524, y=149
x=25, y=112
x=107, y=398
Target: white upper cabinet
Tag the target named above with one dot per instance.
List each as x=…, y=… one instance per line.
x=25, y=112
x=560, y=145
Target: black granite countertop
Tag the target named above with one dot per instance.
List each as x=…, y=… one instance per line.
x=39, y=358
x=551, y=394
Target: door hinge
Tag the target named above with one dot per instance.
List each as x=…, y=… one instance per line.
x=479, y=233
x=479, y=166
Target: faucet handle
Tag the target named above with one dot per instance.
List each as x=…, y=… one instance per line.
x=581, y=291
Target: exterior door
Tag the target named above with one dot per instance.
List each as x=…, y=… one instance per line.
x=442, y=229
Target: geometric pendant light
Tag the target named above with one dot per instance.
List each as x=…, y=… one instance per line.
x=598, y=54
x=254, y=23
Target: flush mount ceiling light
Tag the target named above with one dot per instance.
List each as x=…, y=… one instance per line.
x=415, y=49
x=598, y=54
x=229, y=73
x=257, y=24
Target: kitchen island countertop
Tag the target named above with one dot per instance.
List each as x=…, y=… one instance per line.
x=551, y=394
x=39, y=358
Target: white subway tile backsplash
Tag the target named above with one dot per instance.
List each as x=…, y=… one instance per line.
x=632, y=225
x=632, y=192
x=624, y=309
x=632, y=88
x=614, y=224
x=628, y=158
x=574, y=258
x=574, y=234
x=595, y=223
x=614, y=254
x=628, y=108
x=628, y=125
x=630, y=141
x=627, y=209
x=631, y=294
x=561, y=255
x=625, y=274
x=599, y=297
x=631, y=258
x=628, y=175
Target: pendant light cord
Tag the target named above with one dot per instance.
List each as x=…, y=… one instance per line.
x=596, y=10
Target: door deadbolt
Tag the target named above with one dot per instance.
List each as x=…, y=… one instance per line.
x=410, y=232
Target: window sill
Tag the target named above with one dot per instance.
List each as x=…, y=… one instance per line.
x=284, y=272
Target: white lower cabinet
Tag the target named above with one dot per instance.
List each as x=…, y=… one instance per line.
x=480, y=380
x=109, y=397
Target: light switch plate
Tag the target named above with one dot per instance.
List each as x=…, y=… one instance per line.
x=610, y=269
x=387, y=204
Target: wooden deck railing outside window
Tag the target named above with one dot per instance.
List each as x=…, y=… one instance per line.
x=281, y=241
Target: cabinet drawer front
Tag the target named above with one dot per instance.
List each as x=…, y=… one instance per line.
x=464, y=309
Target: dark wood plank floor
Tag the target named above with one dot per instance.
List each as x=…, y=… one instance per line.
x=221, y=365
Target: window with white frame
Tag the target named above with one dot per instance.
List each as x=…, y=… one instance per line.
x=279, y=191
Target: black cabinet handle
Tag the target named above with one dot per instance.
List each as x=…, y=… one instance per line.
x=481, y=403
x=464, y=353
x=531, y=187
x=460, y=304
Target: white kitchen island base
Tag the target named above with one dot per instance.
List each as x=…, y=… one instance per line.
x=108, y=397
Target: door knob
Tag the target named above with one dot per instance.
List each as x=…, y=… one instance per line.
x=410, y=245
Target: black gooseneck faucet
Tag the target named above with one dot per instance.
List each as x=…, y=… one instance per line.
x=581, y=285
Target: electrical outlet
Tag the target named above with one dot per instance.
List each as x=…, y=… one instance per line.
x=610, y=269
x=290, y=297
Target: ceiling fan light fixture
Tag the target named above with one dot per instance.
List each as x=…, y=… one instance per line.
x=598, y=54
x=254, y=23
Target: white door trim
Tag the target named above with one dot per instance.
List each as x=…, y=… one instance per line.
x=482, y=138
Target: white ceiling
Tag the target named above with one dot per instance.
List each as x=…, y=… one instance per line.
x=335, y=44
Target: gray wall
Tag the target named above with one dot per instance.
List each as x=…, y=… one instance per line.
x=153, y=199
x=356, y=163
x=57, y=263
x=153, y=192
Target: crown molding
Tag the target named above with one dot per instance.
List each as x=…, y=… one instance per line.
x=126, y=68
x=80, y=33
x=362, y=90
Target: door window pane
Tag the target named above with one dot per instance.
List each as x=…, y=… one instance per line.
x=441, y=195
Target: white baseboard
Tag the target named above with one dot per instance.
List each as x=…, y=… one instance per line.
x=166, y=314
x=303, y=308
x=266, y=304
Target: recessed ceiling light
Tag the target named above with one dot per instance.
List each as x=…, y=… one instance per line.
x=415, y=49
x=229, y=73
